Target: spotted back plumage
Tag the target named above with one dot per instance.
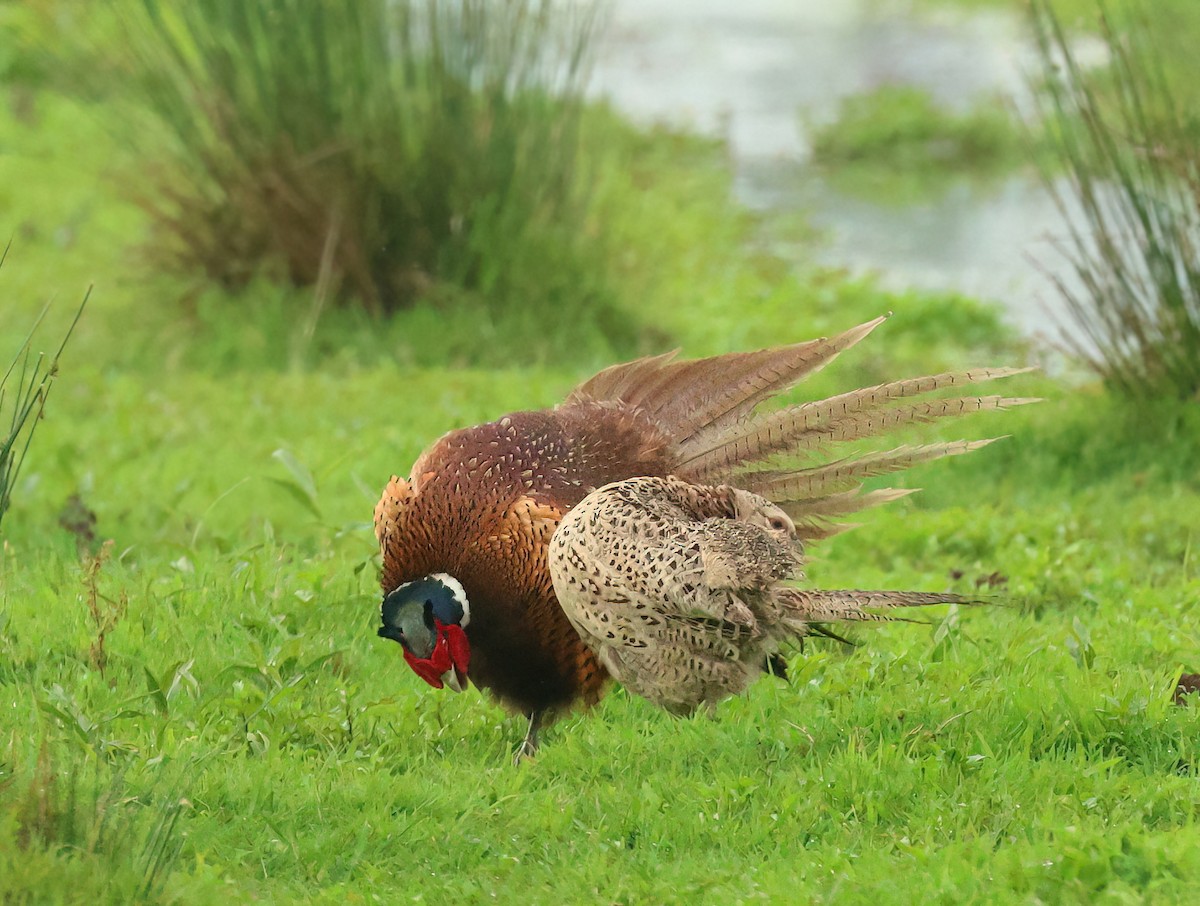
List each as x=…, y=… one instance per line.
x=679, y=588
x=668, y=587
x=482, y=503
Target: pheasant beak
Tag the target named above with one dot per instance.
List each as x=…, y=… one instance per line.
x=447, y=664
x=451, y=680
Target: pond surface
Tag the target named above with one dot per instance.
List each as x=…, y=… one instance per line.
x=761, y=72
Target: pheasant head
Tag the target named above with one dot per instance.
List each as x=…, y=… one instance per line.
x=427, y=617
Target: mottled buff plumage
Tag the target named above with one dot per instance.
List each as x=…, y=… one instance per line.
x=680, y=588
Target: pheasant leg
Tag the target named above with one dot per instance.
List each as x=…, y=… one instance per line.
x=529, y=745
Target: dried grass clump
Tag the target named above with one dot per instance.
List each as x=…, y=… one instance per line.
x=379, y=148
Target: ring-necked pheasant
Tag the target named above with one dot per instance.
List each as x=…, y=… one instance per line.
x=678, y=588
x=466, y=583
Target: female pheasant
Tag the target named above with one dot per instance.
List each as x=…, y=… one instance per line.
x=678, y=588
x=467, y=587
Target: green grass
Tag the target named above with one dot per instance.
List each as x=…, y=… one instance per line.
x=998, y=754
x=201, y=711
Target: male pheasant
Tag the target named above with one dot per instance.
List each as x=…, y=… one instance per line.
x=467, y=587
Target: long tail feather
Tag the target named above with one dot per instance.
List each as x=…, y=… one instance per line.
x=803, y=607
x=848, y=417
x=791, y=486
x=813, y=516
x=844, y=503
x=711, y=393
x=707, y=407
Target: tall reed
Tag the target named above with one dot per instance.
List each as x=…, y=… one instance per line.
x=24, y=389
x=1130, y=194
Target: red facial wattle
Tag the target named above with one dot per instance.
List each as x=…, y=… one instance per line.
x=450, y=652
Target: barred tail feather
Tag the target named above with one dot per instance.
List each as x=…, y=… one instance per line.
x=791, y=487
x=814, y=516
x=706, y=406
x=814, y=426
x=713, y=393
x=802, y=607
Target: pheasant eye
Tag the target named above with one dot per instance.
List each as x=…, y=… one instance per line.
x=429, y=615
x=777, y=524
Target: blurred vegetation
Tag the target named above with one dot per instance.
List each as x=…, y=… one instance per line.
x=1128, y=145
x=895, y=145
x=1171, y=26
x=387, y=152
x=1117, y=147
x=901, y=126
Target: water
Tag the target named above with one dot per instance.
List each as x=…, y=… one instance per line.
x=761, y=73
